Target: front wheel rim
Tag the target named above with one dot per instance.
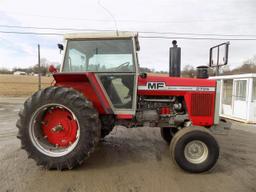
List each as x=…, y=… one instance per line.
x=196, y=152
x=48, y=137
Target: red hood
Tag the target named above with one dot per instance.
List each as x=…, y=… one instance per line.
x=177, y=81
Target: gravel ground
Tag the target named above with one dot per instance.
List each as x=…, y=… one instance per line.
x=132, y=160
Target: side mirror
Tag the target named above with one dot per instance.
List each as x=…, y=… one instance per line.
x=52, y=69
x=219, y=55
x=61, y=47
x=143, y=75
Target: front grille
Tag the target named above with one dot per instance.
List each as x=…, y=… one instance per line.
x=201, y=104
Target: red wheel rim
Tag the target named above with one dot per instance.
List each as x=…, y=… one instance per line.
x=59, y=127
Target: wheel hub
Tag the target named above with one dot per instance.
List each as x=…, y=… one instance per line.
x=59, y=127
x=196, y=152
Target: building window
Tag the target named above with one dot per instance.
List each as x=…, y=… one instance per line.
x=240, y=93
x=254, y=89
x=227, y=91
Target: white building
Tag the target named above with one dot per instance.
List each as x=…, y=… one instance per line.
x=238, y=97
x=19, y=73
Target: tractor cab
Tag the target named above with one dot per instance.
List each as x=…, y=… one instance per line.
x=112, y=58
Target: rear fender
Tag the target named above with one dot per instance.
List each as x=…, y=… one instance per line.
x=88, y=85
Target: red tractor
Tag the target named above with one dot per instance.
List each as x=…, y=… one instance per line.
x=99, y=86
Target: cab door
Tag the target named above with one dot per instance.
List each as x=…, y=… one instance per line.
x=120, y=89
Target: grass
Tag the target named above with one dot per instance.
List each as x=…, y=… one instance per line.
x=21, y=86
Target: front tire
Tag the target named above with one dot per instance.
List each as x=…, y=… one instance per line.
x=58, y=127
x=194, y=149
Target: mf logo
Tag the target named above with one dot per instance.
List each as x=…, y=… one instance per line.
x=155, y=85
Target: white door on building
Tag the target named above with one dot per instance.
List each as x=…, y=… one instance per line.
x=240, y=98
x=227, y=92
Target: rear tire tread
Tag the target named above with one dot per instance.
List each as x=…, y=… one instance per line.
x=88, y=121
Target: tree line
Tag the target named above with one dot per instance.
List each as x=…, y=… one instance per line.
x=248, y=66
x=44, y=65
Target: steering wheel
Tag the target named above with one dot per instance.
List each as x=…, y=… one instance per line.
x=123, y=66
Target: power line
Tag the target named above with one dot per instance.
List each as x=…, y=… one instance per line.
x=200, y=34
x=146, y=32
x=197, y=38
x=31, y=33
x=144, y=37
x=51, y=28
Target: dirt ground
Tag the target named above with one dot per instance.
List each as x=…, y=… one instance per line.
x=132, y=160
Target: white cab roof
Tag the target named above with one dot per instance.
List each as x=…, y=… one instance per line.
x=104, y=35
x=101, y=35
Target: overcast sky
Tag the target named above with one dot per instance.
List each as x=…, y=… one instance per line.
x=181, y=16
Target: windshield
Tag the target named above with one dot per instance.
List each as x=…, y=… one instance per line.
x=113, y=55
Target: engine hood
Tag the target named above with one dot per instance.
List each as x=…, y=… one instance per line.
x=165, y=83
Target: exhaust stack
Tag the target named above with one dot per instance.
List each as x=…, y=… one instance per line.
x=174, y=60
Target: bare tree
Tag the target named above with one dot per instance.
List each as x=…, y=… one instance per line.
x=188, y=71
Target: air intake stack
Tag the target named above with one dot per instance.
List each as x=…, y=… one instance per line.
x=202, y=72
x=174, y=60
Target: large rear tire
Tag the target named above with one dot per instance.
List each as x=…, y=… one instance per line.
x=58, y=127
x=194, y=149
x=107, y=124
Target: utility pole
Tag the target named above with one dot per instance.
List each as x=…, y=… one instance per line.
x=39, y=67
